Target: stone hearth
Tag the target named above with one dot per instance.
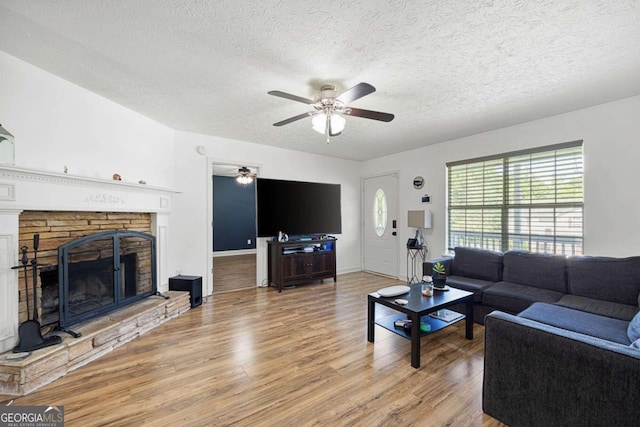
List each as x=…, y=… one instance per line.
x=22, y=373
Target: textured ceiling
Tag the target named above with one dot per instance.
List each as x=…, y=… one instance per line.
x=445, y=68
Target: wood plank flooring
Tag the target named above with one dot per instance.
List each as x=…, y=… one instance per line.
x=232, y=273
x=259, y=358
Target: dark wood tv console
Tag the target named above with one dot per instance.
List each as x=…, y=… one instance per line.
x=301, y=261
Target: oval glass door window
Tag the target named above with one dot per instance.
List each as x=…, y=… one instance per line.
x=380, y=212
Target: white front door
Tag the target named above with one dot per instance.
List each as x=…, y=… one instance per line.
x=380, y=232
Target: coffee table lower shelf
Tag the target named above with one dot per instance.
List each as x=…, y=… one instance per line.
x=418, y=306
x=436, y=324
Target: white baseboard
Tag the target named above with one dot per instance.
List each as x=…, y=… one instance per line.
x=234, y=253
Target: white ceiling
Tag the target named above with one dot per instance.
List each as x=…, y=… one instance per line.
x=445, y=68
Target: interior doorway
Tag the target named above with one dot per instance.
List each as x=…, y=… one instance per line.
x=379, y=210
x=233, y=231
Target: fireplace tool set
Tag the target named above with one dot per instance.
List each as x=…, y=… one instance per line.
x=29, y=331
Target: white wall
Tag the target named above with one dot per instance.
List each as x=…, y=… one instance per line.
x=56, y=123
x=611, y=135
x=191, y=210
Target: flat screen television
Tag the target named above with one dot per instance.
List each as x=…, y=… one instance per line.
x=297, y=208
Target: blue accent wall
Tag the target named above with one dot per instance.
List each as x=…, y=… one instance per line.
x=234, y=214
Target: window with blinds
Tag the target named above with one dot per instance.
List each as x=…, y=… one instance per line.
x=528, y=200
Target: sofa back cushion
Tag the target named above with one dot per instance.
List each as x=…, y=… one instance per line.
x=604, y=278
x=545, y=271
x=477, y=263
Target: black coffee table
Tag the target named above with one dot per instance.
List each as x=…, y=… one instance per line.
x=416, y=310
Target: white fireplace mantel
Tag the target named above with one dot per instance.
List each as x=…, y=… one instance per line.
x=41, y=190
x=27, y=189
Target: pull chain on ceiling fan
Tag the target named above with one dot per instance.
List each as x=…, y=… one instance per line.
x=328, y=109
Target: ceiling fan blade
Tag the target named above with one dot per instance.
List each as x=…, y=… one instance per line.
x=356, y=92
x=291, y=97
x=368, y=114
x=295, y=118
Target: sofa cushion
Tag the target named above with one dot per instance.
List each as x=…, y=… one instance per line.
x=545, y=271
x=596, y=306
x=608, y=279
x=633, y=330
x=582, y=322
x=471, y=285
x=513, y=297
x=477, y=263
x=636, y=344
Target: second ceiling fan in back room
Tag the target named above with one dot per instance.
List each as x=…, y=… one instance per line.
x=329, y=109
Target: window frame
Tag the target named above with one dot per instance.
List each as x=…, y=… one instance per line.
x=504, y=204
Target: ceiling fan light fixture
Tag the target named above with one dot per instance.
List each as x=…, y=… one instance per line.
x=244, y=176
x=337, y=123
x=319, y=123
x=244, y=180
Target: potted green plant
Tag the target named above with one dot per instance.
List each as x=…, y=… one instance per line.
x=439, y=276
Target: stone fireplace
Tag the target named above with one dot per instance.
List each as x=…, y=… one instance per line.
x=91, y=263
x=62, y=208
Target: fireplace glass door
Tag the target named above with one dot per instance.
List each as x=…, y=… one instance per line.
x=90, y=279
x=135, y=267
x=101, y=272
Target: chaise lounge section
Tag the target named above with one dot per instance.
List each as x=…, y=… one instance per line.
x=537, y=374
x=563, y=344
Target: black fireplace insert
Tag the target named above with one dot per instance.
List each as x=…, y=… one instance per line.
x=102, y=272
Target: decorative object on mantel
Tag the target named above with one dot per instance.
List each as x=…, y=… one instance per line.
x=7, y=147
x=142, y=181
x=66, y=169
x=117, y=177
x=29, y=331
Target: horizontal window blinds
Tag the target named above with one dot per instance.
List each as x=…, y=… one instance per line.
x=530, y=200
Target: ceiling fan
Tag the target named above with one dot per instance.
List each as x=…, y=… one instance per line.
x=245, y=176
x=328, y=109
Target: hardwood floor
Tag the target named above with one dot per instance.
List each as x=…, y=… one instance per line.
x=232, y=273
x=259, y=358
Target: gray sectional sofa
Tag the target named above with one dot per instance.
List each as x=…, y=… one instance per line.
x=512, y=281
x=562, y=335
